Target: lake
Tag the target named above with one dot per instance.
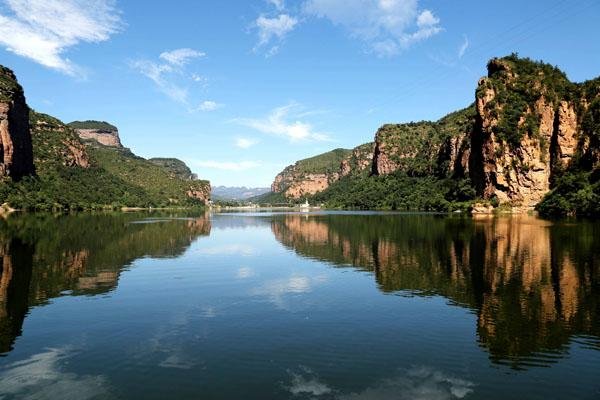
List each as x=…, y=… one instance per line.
x=298, y=306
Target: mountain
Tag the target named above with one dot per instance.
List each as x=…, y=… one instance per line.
x=46, y=164
x=531, y=139
x=236, y=193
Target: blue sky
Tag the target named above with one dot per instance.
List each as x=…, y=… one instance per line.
x=240, y=89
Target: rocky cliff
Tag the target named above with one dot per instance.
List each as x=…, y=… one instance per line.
x=16, y=153
x=528, y=126
x=425, y=148
x=313, y=175
x=529, y=129
x=98, y=131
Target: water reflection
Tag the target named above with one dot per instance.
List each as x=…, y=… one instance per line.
x=533, y=284
x=45, y=256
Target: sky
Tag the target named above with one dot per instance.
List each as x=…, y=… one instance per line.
x=240, y=89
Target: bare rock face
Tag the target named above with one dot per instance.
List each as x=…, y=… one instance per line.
x=518, y=142
x=312, y=175
x=295, y=185
x=97, y=131
x=425, y=148
x=105, y=137
x=16, y=151
x=566, y=132
x=199, y=191
x=359, y=161
x=309, y=185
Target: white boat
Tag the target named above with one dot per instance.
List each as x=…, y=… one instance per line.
x=305, y=207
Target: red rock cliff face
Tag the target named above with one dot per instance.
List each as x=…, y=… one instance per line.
x=311, y=176
x=199, y=191
x=16, y=153
x=548, y=131
x=105, y=137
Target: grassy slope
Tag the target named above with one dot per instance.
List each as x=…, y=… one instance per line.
x=139, y=172
x=323, y=163
x=114, y=178
x=174, y=167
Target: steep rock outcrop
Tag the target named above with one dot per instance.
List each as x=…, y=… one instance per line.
x=360, y=160
x=98, y=131
x=309, y=176
x=199, y=190
x=16, y=152
x=440, y=148
x=528, y=129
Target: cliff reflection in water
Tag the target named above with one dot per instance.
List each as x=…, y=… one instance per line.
x=534, y=285
x=48, y=256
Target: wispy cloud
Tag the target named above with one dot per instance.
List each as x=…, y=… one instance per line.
x=180, y=57
x=209, y=105
x=158, y=73
x=169, y=75
x=387, y=26
x=44, y=30
x=226, y=165
x=463, y=47
x=272, y=31
x=245, y=143
x=282, y=122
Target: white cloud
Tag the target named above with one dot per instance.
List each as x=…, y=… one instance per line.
x=278, y=123
x=180, y=57
x=158, y=73
x=386, y=26
x=463, y=47
x=273, y=30
x=209, y=105
x=43, y=30
x=245, y=143
x=227, y=165
x=166, y=74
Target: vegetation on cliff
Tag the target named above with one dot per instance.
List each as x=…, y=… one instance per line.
x=91, y=124
x=83, y=177
x=323, y=163
x=175, y=167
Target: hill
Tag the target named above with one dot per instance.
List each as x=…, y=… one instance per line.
x=67, y=172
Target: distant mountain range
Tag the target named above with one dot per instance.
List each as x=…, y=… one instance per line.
x=237, y=193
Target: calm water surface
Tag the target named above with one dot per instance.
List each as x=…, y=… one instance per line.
x=298, y=306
